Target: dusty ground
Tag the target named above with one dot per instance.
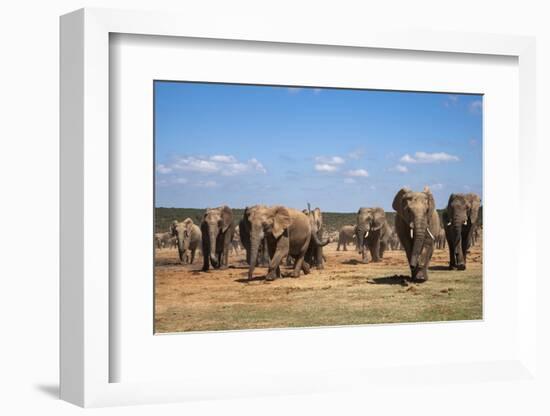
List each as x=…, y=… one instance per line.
x=345, y=292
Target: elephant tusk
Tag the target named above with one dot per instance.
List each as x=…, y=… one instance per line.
x=430, y=233
x=466, y=222
x=449, y=223
x=366, y=234
x=412, y=233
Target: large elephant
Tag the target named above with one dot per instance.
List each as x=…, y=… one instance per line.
x=371, y=230
x=217, y=229
x=460, y=222
x=245, y=229
x=346, y=236
x=288, y=233
x=314, y=255
x=188, y=237
x=417, y=224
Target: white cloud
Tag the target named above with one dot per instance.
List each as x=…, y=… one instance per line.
x=356, y=154
x=358, y=173
x=423, y=157
x=181, y=181
x=349, y=180
x=407, y=159
x=437, y=186
x=476, y=107
x=257, y=165
x=325, y=167
x=223, y=158
x=401, y=169
x=317, y=90
x=225, y=165
x=206, y=184
x=331, y=160
x=163, y=169
x=294, y=90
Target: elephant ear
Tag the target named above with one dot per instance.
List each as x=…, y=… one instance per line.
x=173, y=228
x=474, y=203
x=379, y=219
x=318, y=216
x=227, y=217
x=431, y=200
x=281, y=220
x=396, y=204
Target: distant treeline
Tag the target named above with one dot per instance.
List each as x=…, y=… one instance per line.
x=332, y=220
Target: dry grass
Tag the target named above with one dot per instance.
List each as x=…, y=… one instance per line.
x=346, y=292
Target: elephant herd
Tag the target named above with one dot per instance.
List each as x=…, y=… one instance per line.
x=270, y=234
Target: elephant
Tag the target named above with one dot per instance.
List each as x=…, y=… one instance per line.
x=385, y=239
x=165, y=240
x=346, y=236
x=236, y=242
x=288, y=233
x=417, y=224
x=188, y=237
x=371, y=230
x=245, y=228
x=158, y=240
x=217, y=228
x=314, y=255
x=460, y=222
x=441, y=239
x=395, y=244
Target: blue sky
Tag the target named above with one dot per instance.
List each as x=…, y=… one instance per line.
x=335, y=148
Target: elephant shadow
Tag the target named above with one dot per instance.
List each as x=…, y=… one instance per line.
x=438, y=268
x=353, y=262
x=400, y=280
x=247, y=280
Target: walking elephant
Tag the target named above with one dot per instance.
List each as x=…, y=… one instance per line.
x=188, y=238
x=460, y=222
x=217, y=228
x=288, y=233
x=245, y=228
x=371, y=230
x=165, y=240
x=346, y=236
x=417, y=224
x=314, y=255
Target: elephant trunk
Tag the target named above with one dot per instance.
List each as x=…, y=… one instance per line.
x=181, y=250
x=360, y=233
x=212, y=235
x=457, y=240
x=255, y=241
x=318, y=241
x=419, y=234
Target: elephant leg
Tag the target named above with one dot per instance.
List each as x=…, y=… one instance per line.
x=375, y=250
x=298, y=266
x=305, y=267
x=338, y=246
x=277, y=250
x=345, y=246
x=452, y=257
x=192, y=256
x=421, y=272
x=320, y=258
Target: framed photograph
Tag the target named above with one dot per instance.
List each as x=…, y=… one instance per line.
x=274, y=213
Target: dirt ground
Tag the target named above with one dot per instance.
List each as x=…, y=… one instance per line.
x=345, y=292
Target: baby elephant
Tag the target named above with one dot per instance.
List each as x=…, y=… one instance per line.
x=417, y=224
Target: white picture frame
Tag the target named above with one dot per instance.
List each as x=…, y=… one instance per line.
x=86, y=356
